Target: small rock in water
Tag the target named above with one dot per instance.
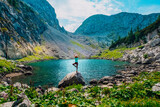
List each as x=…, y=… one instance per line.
x=28, y=73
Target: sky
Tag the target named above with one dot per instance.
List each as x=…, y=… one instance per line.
x=71, y=13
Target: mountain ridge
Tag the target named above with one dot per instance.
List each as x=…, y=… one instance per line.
x=110, y=27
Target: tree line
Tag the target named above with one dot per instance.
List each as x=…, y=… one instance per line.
x=139, y=35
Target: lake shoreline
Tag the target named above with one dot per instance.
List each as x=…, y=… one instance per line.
x=128, y=70
x=124, y=78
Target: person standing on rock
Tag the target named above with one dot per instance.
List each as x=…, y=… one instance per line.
x=76, y=62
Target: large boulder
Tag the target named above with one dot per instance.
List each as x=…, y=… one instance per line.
x=70, y=79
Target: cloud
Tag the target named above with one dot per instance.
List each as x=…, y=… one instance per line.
x=76, y=11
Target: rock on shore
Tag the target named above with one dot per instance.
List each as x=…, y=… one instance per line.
x=70, y=79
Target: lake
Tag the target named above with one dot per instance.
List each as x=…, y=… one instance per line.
x=53, y=71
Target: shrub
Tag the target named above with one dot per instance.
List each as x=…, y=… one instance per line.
x=145, y=56
x=141, y=47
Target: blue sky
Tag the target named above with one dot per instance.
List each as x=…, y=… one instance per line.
x=71, y=13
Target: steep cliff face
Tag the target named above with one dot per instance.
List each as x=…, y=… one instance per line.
x=20, y=29
x=46, y=11
x=113, y=26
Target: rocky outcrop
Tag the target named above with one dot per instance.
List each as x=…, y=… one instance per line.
x=18, y=70
x=147, y=53
x=21, y=29
x=22, y=101
x=70, y=79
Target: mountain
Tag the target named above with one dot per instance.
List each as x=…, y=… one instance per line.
x=110, y=27
x=24, y=32
x=20, y=29
x=46, y=11
x=140, y=37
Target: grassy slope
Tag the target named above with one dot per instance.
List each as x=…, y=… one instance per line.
x=115, y=54
x=7, y=66
x=137, y=94
x=37, y=56
x=76, y=43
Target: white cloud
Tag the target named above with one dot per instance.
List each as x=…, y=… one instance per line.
x=72, y=27
x=75, y=11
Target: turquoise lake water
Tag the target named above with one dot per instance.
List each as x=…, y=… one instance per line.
x=52, y=71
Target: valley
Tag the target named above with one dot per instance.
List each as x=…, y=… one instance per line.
x=119, y=58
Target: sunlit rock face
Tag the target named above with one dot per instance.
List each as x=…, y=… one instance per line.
x=108, y=28
x=21, y=29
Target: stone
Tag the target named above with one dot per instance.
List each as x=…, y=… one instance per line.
x=4, y=83
x=105, y=82
x=28, y=73
x=17, y=84
x=20, y=66
x=105, y=86
x=149, y=61
x=158, y=61
x=119, y=84
x=22, y=101
x=25, y=86
x=73, y=90
x=86, y=94
x=26, y=102
x=129, y=82
x=4, y=94
x=70, y=79
x=110, y=84
x=93, y=82
x=86, y=87
x=7, y=104
x=106, y=78
x=133, y=72
x=155, y=42
x=157, y=57
x=53, y=89
x=156, y=87
x=27, y=68
x=129, y=75
x=118, y=76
